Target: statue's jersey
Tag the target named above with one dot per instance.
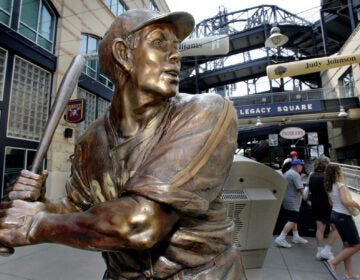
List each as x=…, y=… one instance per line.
x=181, y=159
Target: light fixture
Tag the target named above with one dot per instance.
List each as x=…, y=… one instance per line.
x=342, y=112
x=276, y=39
x=258, y=122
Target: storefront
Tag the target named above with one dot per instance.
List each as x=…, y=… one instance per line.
x=270, y=146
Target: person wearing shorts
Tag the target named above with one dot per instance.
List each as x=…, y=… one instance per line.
x=321, y=209
x=292, y=203
x=341, y=217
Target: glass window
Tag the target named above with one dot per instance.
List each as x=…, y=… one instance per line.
x=94, y=107
x=29, y=100
x=16, y=159
x=5, y=11
x=2, y=72
x=89, y=48
x=103, y=105
x=347, y=84
x=117, y=7
x=37, y=23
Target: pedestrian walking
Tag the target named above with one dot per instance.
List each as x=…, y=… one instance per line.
x=321, y=209
x=292, y=203
x=341, y=217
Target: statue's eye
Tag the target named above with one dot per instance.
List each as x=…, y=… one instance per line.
x=157, y=43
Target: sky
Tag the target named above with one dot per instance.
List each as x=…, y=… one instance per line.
x=202, y=9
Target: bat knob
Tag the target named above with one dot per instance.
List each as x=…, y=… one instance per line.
x=6, y=251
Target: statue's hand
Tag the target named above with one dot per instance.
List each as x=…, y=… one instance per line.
x=18, y=222
x=28, y=186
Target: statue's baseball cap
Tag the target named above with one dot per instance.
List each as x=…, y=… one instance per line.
x=182, y=22
x=135, y=19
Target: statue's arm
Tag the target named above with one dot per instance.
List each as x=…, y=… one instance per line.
x=129, y=222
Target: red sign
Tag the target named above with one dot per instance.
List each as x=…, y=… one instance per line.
x=74, y=111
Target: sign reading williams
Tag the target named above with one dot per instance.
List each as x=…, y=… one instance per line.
x=210, y=45
x=278, y=109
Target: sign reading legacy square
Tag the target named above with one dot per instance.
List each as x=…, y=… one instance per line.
x=278, y=109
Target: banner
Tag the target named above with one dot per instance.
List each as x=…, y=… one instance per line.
x=211, y=45
x=306, y=66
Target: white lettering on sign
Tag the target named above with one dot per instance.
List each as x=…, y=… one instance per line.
x=273, y=109
x=294, y=108
x=292, y=133
x=252, y=111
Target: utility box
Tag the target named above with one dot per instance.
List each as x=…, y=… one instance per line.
x=253, y=194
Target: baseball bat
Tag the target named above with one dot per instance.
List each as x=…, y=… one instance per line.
x=307, y=66
x=63, y=95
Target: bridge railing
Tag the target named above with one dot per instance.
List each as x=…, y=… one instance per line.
x=233, y=22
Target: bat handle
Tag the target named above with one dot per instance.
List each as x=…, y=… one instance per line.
x=67, y=86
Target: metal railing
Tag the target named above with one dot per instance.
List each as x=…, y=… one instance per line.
x=232, y=22
x=292, y=96
x=352, y=176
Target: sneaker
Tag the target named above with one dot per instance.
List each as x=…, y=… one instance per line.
x=318, y=256
x=326, y=254
x=299, y=240
x=282, y=242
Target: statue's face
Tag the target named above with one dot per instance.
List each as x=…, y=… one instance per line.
x=156, y=61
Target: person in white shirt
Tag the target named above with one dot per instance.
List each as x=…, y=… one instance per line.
x=341, y=217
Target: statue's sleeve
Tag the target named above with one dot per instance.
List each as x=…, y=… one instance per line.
x=190, y=164
x=77, y=187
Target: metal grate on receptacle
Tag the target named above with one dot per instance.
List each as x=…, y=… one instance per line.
x=235, y=202
x=235, y=212
x=231, y=195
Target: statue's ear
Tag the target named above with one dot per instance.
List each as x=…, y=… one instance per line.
x=120, y=53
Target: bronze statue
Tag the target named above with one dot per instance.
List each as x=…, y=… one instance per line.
x=146, y=179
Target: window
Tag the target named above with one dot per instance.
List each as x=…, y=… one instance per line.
x=2, y=72
x=37, y=23
x=5, y=11
x=117, y=7
x=94, y=108
x=89, y=48
x=29, y=100
x=153, y=6
x=346, y=82
x=16, y=159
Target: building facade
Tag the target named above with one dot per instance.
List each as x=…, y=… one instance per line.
x=344, y=134
x=39, y=39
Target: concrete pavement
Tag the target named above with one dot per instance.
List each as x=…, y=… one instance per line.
x=57, y=262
